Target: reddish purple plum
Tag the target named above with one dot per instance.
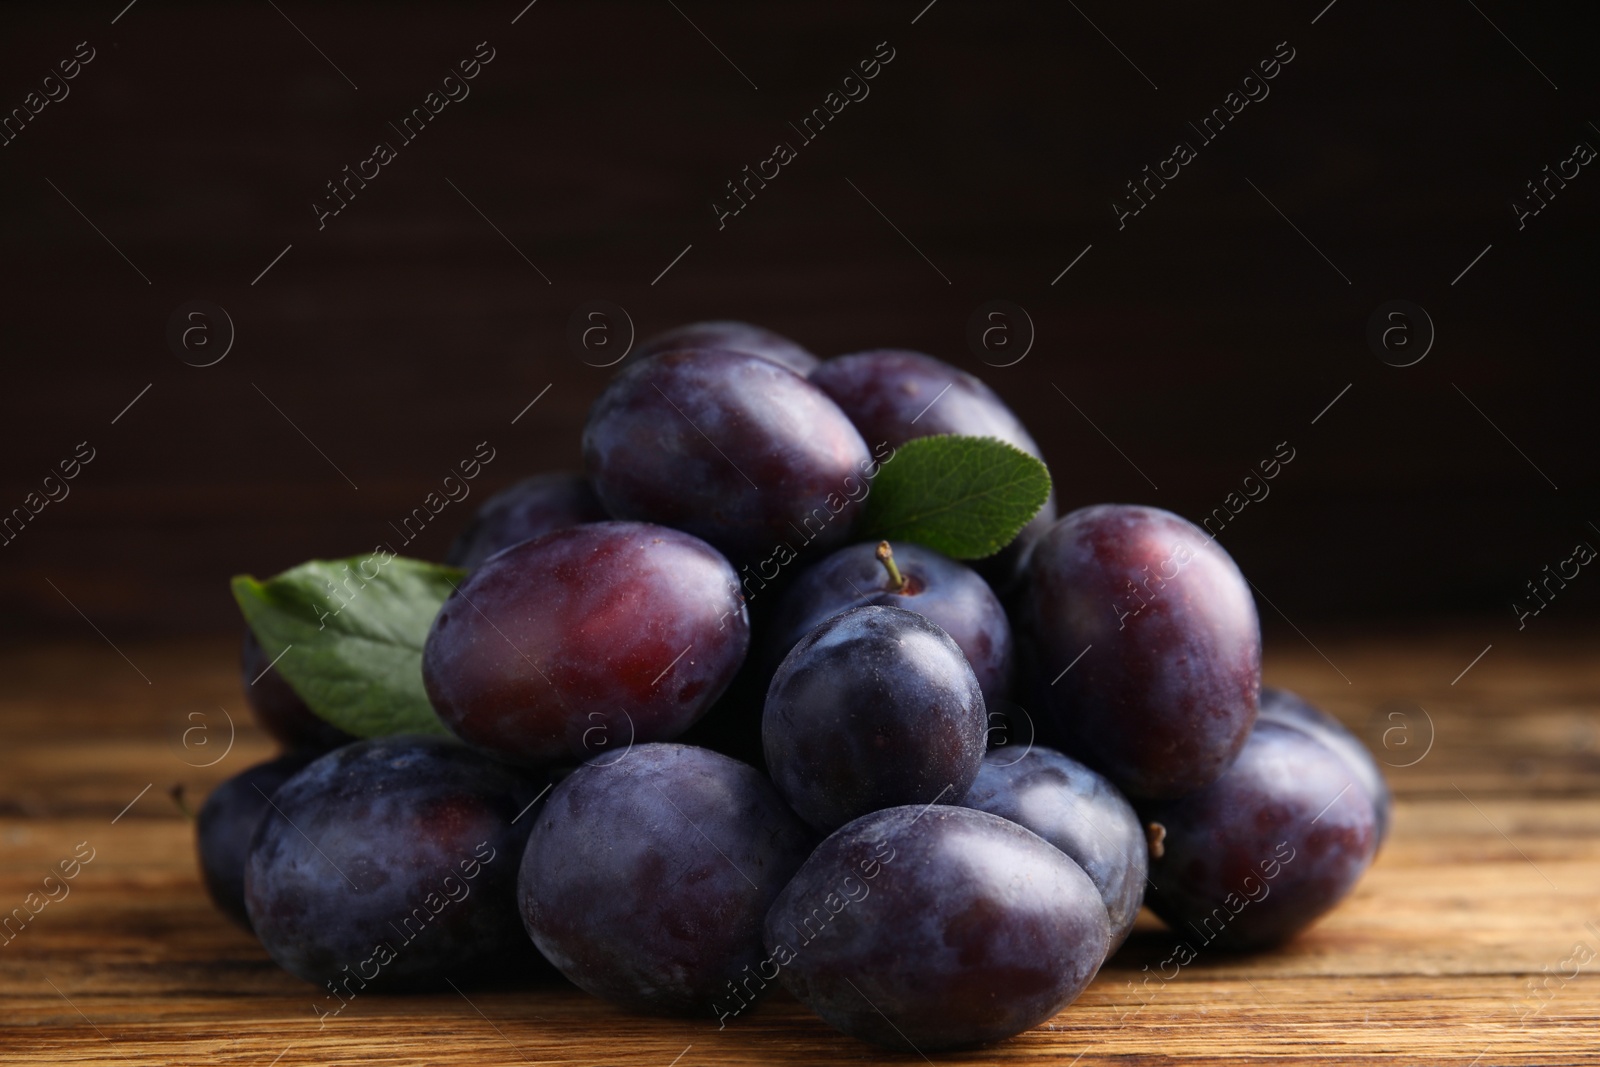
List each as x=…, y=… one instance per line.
x=1146, y=647
x=1291, y=709
x=1265, y=850
x=586, y=640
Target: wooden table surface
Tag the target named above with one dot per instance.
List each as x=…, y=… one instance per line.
x=1491, y=879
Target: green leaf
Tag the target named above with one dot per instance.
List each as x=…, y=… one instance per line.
x=347, y=636
x=965, y=496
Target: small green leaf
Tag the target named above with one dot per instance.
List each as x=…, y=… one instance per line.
x=965, y=496
x=348, y=634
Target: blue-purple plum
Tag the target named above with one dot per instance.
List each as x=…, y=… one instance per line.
x=921, y=580
x=1078, y=811
x=226, y=822
x=926, y=928
x=897, y=395
x=875, y=707
x=733, y=337
x=649, y=871
x=391, y=863
x=733, y=449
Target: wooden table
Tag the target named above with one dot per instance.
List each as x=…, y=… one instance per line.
x=1491, y=878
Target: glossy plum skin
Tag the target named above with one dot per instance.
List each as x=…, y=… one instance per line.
x=391, y=862
x=278, y=709
x=585, y=640
x=876, y=707
x=887, y=393
x=648, y=874
x=531, y=508
x=950, y=594
x=1079, y=812
x=1166, y=690
x=1291, y=709
x=732, y=337
x=226, y=822
x=1266, y=849
x=924, y=928
x=732, y=448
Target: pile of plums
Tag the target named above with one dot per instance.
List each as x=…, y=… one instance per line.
x=706, y=739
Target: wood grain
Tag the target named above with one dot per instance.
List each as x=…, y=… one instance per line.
x=1491, y=878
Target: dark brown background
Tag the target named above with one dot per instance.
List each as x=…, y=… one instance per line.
x=408, y=330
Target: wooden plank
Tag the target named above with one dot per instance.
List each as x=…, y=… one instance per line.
x=1488, y=882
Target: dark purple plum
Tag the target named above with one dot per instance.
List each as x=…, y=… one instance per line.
x=1078, y=811
x=1145, y=644
x=1291, y=709
x=732, y=448
x=732, y=337
x=921, y=580
x=895, y=395
x=923, y=928
x=391, y=862
x=1265, y=850
x=226, y=822
x=875, y=707
x=278, y=709
x=1006, y=571
x=648, y=874
x=531, y=508
x=585, y=640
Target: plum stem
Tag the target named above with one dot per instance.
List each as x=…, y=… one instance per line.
x=175, y=791
x=897, y=581
x=1156, y=836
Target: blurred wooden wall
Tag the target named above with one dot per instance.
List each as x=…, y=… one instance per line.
x=1174, y=355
